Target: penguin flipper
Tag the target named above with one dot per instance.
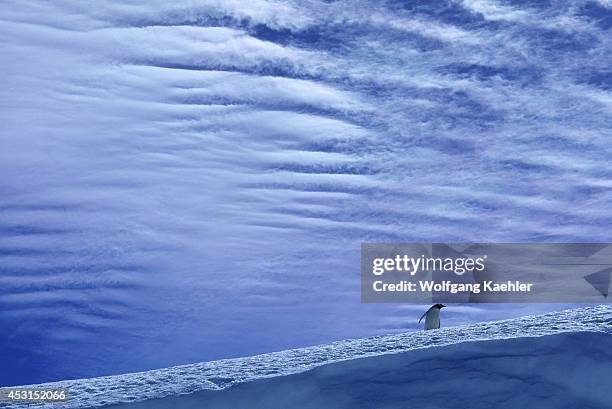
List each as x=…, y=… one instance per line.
x=422, y=316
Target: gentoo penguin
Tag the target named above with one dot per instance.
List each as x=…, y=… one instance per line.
x=432, y=316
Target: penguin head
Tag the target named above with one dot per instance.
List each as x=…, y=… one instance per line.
x=439, y=306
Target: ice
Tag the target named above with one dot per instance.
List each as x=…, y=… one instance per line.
x=555, y=360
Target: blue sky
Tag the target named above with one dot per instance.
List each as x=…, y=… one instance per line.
x=184, y=181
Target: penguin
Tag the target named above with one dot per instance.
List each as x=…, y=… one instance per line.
x=432, y=317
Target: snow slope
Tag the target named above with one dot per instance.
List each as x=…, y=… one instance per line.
x=556, y=360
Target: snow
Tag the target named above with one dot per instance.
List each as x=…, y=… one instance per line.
x=555, y=360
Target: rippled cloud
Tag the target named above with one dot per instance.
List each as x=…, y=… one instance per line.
x=216, y=164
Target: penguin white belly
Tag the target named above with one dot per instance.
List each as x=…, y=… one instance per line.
x=432, y=319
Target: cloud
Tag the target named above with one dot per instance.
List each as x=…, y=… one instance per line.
x=189, y=160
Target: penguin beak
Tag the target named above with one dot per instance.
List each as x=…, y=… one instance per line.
x=442, y=306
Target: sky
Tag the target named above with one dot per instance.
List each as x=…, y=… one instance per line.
x=192, y=180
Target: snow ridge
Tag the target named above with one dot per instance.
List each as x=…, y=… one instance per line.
x=217, y=375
